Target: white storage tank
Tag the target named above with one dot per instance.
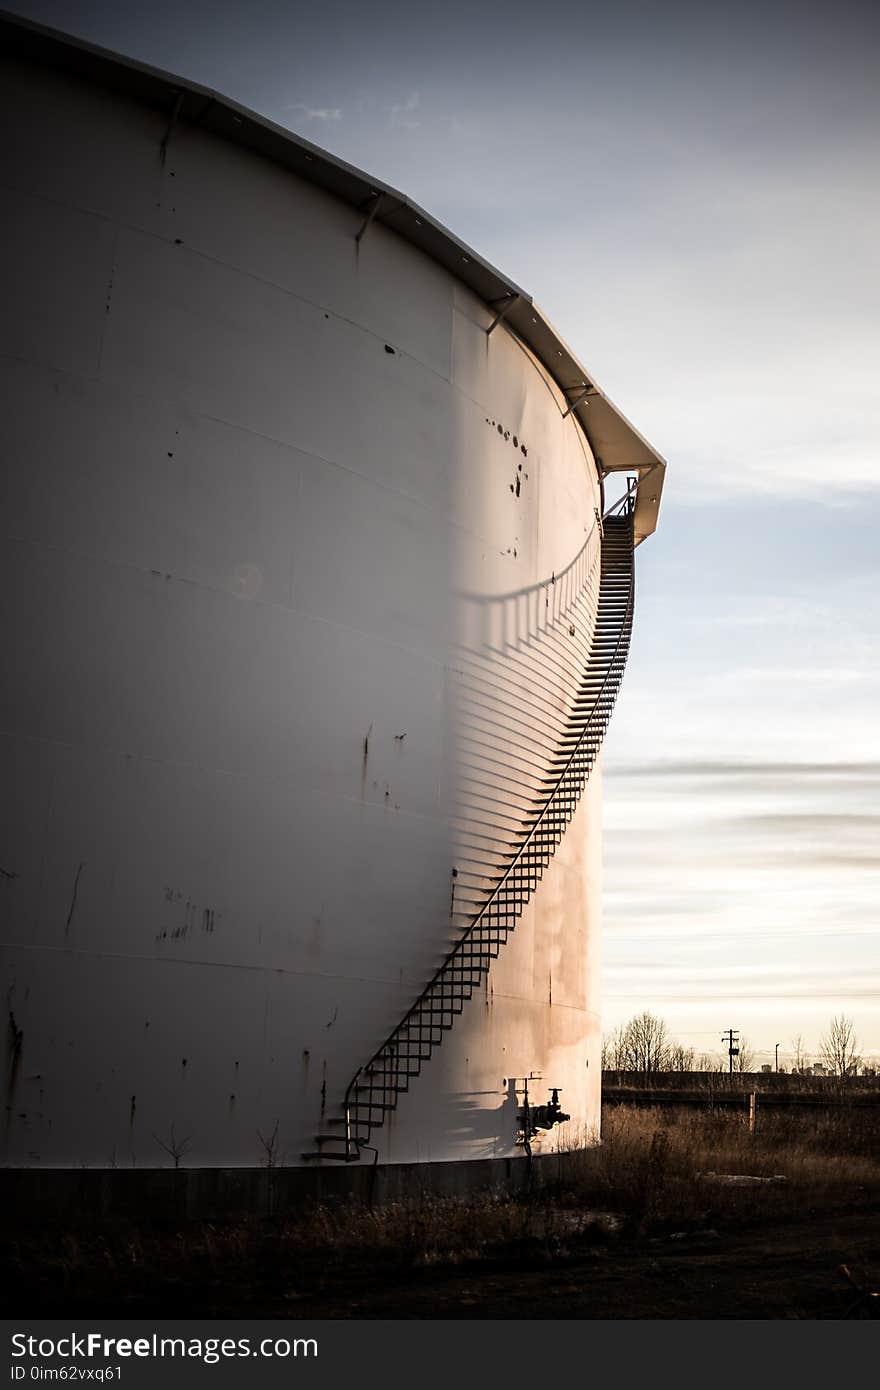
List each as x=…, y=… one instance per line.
x=303, y=685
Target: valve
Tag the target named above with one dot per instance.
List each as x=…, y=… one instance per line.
x=532, y=1118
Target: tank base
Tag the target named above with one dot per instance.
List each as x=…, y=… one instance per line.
x=38, y=1195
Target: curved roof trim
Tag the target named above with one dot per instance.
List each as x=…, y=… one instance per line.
x=616, y=444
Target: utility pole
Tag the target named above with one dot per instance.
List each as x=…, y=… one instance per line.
x=731, y=1037
x=777, y=1056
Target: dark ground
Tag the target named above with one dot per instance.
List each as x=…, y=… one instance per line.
x=788, y=1269
x=638, y=1227
x=782, y=1272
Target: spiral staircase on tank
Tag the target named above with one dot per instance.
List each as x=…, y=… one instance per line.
x=375, y=1087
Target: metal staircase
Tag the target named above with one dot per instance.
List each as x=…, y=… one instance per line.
x=375, y=1087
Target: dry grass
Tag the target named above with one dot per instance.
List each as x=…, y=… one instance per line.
x=311, y=1244
x=649, y=1169
x=652, y=1163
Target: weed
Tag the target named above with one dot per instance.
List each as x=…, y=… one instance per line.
x=647, y=1176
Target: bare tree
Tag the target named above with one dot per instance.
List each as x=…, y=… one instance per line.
x=680, y=1058
x=839, y=1048
x=746, y=1059
x=614, y=1050
x=175, y=1148
x=269, y=1145
x=647, y=1043
x=798, y=1054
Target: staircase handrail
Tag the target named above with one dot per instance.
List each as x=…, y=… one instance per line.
x=472, y=926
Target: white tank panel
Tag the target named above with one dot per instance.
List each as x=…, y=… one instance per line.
x=293, y=552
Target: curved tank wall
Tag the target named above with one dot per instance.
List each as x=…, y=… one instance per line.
x=297, y=561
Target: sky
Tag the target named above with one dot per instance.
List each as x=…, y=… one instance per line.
x=690, y=192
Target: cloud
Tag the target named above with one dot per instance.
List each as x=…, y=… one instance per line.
x=753, y=882
x=401, y=114
x=316, y=113
x=700, y=768
x=773, y=469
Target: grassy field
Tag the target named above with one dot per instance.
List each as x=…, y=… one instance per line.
x=653, y=1195
x=653, y=1163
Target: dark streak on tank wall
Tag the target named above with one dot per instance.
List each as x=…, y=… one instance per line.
x=73, y=900
x=366, y=759
x=16, y=1041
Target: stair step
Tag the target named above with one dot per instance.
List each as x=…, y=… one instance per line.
x=501, y=896
x=336, y=1158
x=401, y=1070
x=337, y=1138
x=367, y=1105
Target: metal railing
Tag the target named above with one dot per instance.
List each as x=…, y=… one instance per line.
x=374, y=1089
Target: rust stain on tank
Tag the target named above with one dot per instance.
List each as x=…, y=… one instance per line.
x=16, y=1042
x=366, y=759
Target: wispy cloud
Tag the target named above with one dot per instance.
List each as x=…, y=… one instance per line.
x=402, y=114
x=751, y=882
x=744, y=768
x=316, y=113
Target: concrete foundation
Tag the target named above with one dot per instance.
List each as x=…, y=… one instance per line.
x=158, y=1195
